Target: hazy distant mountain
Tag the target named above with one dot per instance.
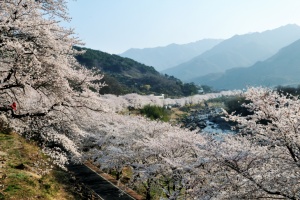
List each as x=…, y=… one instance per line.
x=165, y=57
x=281, y=69
x=238, y=51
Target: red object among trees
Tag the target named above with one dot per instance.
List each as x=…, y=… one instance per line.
x=14, y=106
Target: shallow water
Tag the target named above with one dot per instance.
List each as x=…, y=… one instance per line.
x=215, y=128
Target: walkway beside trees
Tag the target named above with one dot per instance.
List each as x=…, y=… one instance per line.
x=101, y=183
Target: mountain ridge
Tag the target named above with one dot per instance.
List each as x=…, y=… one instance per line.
x=283, y=68
x=164, y=57
x=237, y=51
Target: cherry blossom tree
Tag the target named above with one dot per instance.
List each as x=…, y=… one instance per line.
x=162, y=157
x=262, y=162
x=40, y=74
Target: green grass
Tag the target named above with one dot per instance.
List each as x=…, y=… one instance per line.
x=21, y=177
x=155, y=112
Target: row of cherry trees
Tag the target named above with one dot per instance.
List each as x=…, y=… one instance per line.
x=57, y=104
x=261, y=162
x=113, y=103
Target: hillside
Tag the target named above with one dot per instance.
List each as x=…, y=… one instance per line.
x=124, y=75
x=238, y=51
x=165, y=57
x=281, y=69
x=22, y=173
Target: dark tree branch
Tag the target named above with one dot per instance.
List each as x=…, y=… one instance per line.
x=9, y=86
x=11, y=72
x=245, y=174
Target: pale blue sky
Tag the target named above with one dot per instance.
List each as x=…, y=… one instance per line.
x=114, y=26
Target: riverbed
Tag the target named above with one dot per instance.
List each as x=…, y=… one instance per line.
x=209, y=120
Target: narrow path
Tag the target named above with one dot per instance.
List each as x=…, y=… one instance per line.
x=105, y=189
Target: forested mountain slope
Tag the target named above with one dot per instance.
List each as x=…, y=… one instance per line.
x=124, y=75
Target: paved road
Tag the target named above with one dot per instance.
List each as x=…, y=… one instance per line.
x=105, y=189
